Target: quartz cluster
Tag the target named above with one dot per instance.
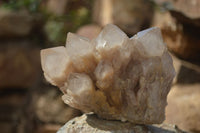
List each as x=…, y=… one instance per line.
x=114, y=76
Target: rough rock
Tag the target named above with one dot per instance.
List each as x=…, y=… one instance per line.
x=181, y=27
x=183, y=107
x=188, y=75
x=181, y=38
x=19, y=64
x=92, y=124
x=186, y=72
x=12, y=103
x=49, y=107
x=114, y=76
x=126, y=14
x=189, y=8
x=16, y=24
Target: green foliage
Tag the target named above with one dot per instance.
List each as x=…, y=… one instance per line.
x=55, y=31
x=83, y=15
x=30, y=5
x=79, y=17
x=57, y=26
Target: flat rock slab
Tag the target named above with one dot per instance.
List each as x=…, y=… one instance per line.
x=183, y=107
x=90, y=123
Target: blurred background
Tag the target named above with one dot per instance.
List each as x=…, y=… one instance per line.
x=28, y=104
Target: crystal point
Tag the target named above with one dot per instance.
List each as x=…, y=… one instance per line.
x=151, y=41
x=50, y=58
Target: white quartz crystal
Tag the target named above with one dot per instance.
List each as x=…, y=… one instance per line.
x=151, y=40
x=57, y=72
x=113, y=76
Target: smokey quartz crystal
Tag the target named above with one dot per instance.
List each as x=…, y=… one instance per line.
x=113, y=76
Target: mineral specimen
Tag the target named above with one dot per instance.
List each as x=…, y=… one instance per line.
x=116, y=77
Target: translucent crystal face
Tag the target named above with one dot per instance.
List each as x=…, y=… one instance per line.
x=110, y=37
x=80, y=84
x=104, y=74
x=113, y=76
x=151, y=40
x=80, y=51
x=109, y=41
x=78, y=46
x=56, y=73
